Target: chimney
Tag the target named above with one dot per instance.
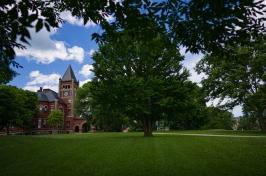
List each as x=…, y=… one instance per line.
x=40, y=90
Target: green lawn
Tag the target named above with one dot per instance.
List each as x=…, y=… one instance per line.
x=131, y=154
x=220, y=132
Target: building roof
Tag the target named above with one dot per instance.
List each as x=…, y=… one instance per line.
x=42, y=96
x=69, y=75
x=47, y=95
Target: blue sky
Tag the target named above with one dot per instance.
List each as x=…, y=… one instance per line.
x=46, y=60
x=49, y=54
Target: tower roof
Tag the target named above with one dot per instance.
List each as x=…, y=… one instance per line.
x=69, y=75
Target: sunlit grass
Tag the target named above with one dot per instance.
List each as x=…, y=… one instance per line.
x=131, y=154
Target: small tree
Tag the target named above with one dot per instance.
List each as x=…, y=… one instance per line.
x=219, y=119
x=55, y=118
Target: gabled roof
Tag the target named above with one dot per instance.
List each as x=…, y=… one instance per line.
x=42, y=96
x=69, y=75
x=47, y=95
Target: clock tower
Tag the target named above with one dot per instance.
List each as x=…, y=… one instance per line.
x=68, y=86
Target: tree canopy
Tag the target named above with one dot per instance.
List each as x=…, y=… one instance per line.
x=55, y=118
x=237, y=77
x=219, y=119
x=139, y=79
x=17, y=107
x=82, y=101
x=197, y=25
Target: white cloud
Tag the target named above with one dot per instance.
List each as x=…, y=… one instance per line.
x=42, y=80
x=68, y=17
x=76, y=53
x=86, y=70
x=81, y=83
x=190, y=62
x=91, y=52
x=237, y=111
x=86, y=73
x=45, y=50
x=46, y=81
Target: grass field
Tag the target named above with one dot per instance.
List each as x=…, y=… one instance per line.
x=115, y=154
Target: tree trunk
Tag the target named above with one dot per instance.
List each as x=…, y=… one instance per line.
x=261, y=121
x=262, y=124
x=147, y=127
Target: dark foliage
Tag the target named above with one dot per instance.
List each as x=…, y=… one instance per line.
x=237, y=77
x=199, y=25
x=17, y=107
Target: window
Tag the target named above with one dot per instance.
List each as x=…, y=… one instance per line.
x=39, y=123
x=44, y=123
x=66, y=86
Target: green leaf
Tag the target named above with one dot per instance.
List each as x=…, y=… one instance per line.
x=25, y=32
x=47, y=26
x=39, y=25
x=32, y=18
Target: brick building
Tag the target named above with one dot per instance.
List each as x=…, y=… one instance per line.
x=63, y=100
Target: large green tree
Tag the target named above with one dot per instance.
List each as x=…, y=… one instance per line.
x=17, y=107
x=198, y=25
x=237, y=76
x=140, y=79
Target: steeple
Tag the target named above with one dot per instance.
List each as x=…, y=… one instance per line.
x=69, y=75
x=68, y=86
